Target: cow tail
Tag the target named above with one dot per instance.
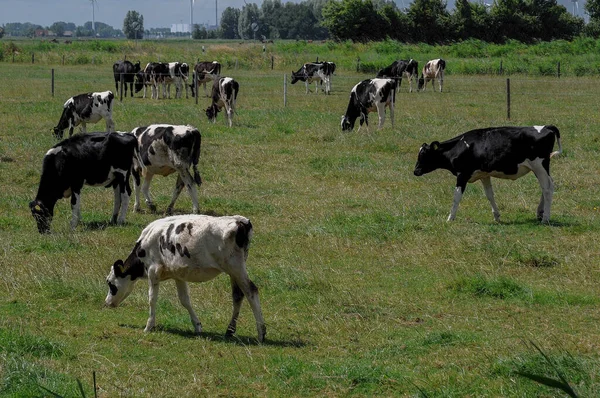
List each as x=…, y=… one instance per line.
x=554, y=129
x=196, y=158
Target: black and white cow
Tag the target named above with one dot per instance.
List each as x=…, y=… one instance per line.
x=399, y=69
x=143, y=79
x=205, y=72
x=224, y=94
x=95, y=159
x=369, y=95
x=86, y=108
x=155, y=75
x=178, y=75
x=501, y=152
x=189, y=248
x=318, y=72
x=128, y=70
x=433, y=70
x=165, y=149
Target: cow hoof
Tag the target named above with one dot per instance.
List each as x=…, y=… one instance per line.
x=169, y=211
x=152, y=207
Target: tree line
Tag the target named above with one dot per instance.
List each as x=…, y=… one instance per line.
x=424, y=21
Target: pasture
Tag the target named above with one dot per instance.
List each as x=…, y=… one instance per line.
x=365, y=288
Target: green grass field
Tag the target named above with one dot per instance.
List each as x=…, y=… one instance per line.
x=365, y=289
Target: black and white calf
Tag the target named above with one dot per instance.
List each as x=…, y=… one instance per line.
x=433, y=70
x=128, y=70
x=96, y=159
x=205, y=72
x=501, y=152
x=319, y=72
x=178, y=75
x=189, y=248
x=86, y=108
x=399, y=69
x=224, y=94
x=370, y=95
x=165, y=149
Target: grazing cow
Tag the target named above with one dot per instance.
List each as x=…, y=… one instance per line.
x=205, y=72
x=318, y=72
x=431, y=71
x=224, y=94
x=178, y=75
x=86, y=108
x=129, y=71
x=189, y=248
x=95, y=159
x=502, y=152
x=370, y=95
x=143, y=79
x=399, y=69
x=166, y=149
x=155, y=74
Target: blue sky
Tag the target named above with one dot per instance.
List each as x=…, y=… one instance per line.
x=157, y=13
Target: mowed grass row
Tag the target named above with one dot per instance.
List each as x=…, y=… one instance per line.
x=365, y=288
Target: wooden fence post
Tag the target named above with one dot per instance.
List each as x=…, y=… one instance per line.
x=558, y=69
x=196, y=87
x=272, y=62
x=53, y=82
x=501, y=68
x=508, y=99
x=357, y=64
x=32, y=58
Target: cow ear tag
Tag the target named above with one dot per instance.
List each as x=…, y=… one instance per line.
x=37, y=208
x=119, y=267
x=435, y=146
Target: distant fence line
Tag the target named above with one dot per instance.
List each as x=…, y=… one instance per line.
x=507, y=91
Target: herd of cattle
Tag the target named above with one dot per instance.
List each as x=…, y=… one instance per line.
x=197, y=248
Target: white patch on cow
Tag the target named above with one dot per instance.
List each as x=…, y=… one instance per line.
x=54, y=151
x=539, y=128
x=69, y=102
x=463, y=140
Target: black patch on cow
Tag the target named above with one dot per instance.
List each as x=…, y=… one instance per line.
x=133, y=266
x=169, y=230
x=242, y=238
x=161, y=243
x=180, y=228
x=151, y=150
x=141, y=253
x=189, y=227
x=113, y=288
x=186, y=252
x=172, y=248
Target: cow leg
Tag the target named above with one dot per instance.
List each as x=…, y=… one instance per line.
x=110, y=125
x=183, y=292
x=146, y=191
x=489, y=193
x=125, y=194
x=117, y=203
x=238, y=296
x=547, y=185
x=381, y=114
x=83, y=128
x=251, y=292
x=229, y=110
x=179, y=184
x=136, y=185
x=458, y=193
x=152, y=299
x=75, y=207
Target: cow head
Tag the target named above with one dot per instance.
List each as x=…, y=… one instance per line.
x=347, y=123
x=42, y=216
x=137, y=67
x=421, y=82
x=211, y=113
x=185, y=70
x=58, y=133
x=297, y=76
x=140, y=78
x=428, y=159
x=123, y=276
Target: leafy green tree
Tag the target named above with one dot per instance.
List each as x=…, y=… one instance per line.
x=250, y=19
x=229, y=23
x=355, y=20
x=553, y=21
x=430, y=21
x=1, y=33
x=592, y=7
x=199, y=32
x=133, y=25
x=58, y=28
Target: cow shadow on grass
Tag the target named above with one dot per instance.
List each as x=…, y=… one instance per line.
x=221, y=337
x=536, y=222
x=102, y=225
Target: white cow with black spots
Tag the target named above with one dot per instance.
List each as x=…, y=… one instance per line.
x=189, y=248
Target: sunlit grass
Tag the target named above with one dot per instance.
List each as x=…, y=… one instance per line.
x=365, y=288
